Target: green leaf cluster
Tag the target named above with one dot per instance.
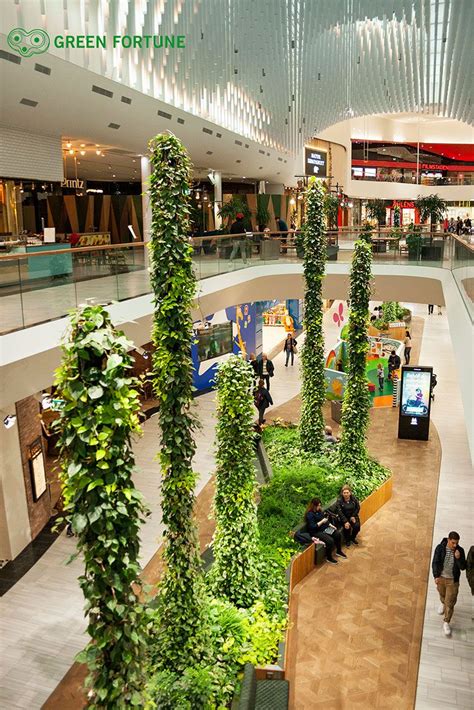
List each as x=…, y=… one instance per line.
x=96, y=423
x=234, y=573
x=312, y=357
x=356, y=405
x=431, y=207
x=331, y=207
x=375, y=209
x=179, y=634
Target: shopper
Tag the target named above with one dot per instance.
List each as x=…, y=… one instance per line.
x=329, y=437
x=282, y=227
x=266, y=370
x=467, y=226
x=407, y=344
x=459, y=226
x=238, y=245
x=290, y=348
x=430, y=309
x=452, y=225
x=380, y=376
x=434, y=382
x=348, y=508
x=440, y=310
x=322, y=530
x=470, y=568
x=262, y=400
x=255, y=365
x=394, y=363
x=448, y=561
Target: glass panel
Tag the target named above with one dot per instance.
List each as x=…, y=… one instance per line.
x=11, y=311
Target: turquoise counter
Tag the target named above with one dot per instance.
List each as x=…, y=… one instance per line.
x=46, y=266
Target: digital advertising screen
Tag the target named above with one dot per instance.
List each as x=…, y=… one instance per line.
x=315, y=162
x=213, y=341
x=415, y=402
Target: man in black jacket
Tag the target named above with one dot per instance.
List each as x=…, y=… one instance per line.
x=394, y=363
x=448, y=561
x=266, y=369
x=262, y=400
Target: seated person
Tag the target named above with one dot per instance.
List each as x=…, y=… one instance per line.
x=348, y=511
x=321, y=529
x=329, y=436
x=394, y=363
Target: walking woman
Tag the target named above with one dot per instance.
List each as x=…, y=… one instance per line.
x=321, y=529
x=348, y=511
x=290, y=348
x=407, y=344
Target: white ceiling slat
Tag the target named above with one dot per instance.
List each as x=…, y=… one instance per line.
x=322, y=60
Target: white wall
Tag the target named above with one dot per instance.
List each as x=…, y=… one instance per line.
x=27, y=155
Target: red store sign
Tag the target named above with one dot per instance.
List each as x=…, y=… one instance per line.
x=402, y=204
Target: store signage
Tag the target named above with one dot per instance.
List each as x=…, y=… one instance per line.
x=74, y=184
x=315, y=162
x=402, y=204
x=37, y=41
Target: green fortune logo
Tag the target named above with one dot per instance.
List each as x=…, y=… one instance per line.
x=28, y=43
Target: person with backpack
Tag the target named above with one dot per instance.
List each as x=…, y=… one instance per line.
x=448, y=561
x=262, y=400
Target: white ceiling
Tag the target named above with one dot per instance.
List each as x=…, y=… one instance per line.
x=271, y=73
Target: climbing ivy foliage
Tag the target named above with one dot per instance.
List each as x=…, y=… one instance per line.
x=355, y=409
x=390, y=310
x=179, y=639
x=312, y=358
x=98, y=417
x=234, y=574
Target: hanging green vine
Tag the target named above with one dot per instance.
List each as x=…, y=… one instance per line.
x=179, y=636
x=355, y=409
x=312, y=358
x=234, y=575
x=98, y=417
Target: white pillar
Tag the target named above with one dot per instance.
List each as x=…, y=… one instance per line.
x=217, y=198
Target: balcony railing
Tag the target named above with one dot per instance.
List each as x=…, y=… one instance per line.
x=409, y=176
x=37, y=287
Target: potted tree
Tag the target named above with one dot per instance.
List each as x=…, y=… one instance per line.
x=263, y=214
x=431, y=207
x=375, y=209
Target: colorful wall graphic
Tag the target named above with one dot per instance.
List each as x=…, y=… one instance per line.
x=231, y=331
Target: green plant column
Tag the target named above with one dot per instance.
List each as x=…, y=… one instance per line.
x=356, y=405
x=390, y=311
x=179, y=640
x=234, y=575
x=96, y=422
x=396, y=216
x=331, y=206
x=312, y=358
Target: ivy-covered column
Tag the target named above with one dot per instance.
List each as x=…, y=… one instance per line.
x=356, y=406
x=234, y=574
x=179, y=635
x=312, y=358
x=390, y=311
x=96, y=422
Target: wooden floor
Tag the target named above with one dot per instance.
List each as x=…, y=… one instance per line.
x=357, y=628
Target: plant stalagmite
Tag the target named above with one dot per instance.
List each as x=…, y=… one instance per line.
x=234, y=575
x=99, y=414
x=355, y=409
x=312, y=358
x=179, y=638
x=390, y=311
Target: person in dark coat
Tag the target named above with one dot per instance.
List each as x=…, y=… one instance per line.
x=320, y=528
x=348, y=508
x=262, y=400
x=394, y=363
x=282, y=227
x=255, y=365
x=266, y=370
x=470, y=568
x=290, y=348
x=238, y=227
x=448, y=561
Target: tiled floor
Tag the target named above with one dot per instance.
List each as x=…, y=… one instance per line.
x=41, y=623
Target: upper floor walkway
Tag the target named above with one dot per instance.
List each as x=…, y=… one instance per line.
x=39, y=286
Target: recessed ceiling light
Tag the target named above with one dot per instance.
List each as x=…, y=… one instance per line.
x=83, y=145
x=71, y=152
x=68, y=144
x=97, y=152
x=113, y=175
x=83, y=152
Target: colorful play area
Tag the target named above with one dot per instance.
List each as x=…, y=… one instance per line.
x=379, y=352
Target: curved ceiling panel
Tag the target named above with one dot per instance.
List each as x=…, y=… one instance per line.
x=276, y=71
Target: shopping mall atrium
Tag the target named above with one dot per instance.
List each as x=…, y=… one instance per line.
x=236, y=352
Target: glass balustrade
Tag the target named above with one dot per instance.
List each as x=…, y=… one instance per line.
x=37, y=287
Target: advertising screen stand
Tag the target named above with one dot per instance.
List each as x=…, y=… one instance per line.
x=415, y=403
